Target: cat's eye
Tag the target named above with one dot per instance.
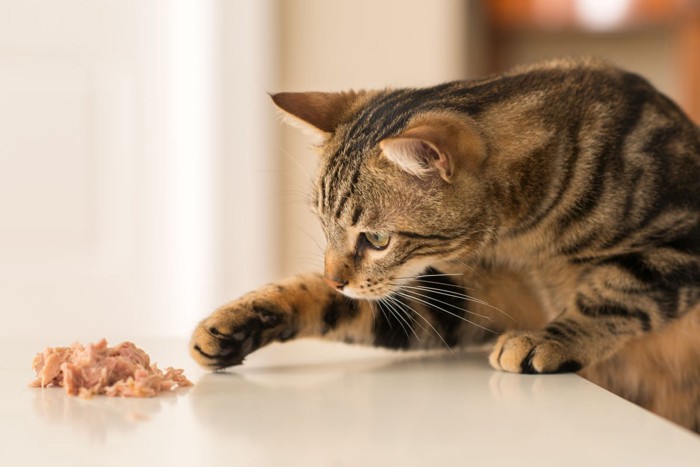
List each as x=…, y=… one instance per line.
x=379, y=241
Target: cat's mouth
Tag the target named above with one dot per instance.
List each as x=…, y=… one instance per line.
x=365, y=293
x=384, y=286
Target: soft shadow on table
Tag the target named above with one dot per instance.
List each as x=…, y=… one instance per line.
x=315, y=398
x=94, y=418
x=308, y=375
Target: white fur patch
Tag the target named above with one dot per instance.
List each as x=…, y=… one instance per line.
x=317, y=136
x=411, y=155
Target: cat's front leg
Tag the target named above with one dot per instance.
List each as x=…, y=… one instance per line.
x=614, y=302
x=302, y=306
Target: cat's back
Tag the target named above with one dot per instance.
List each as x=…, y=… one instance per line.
x=593, y=160
x=570, y=89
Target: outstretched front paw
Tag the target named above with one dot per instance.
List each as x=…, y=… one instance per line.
x=232, y=332
x=532, y=353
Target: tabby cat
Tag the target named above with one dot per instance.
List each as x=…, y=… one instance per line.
x=553, y=210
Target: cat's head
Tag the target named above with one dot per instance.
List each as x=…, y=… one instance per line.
x=399, y=186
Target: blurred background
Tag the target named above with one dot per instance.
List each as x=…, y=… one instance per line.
x=144, y=175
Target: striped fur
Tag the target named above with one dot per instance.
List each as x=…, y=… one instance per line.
x=553, y=210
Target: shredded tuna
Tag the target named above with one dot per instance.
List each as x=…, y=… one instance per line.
x=124, y=370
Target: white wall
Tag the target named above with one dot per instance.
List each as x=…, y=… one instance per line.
x=142, y=178
x=127, y=180
x=249, y=252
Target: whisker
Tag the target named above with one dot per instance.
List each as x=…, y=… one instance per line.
x=457, y=286
x=401, y=320
x=399, y=315
x=301, y=168
x=419, y=276
x=371, y=307
x=406, y=305
x=464, y=297
x=471, y=269
x=432, y=305
x=310, y=237
x=450, y=293
x=384, y=314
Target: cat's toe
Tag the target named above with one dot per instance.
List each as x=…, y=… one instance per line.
x=214, y=349
x=531, y=353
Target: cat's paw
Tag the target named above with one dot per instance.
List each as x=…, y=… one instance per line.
x=532, y=353
x=232, y=332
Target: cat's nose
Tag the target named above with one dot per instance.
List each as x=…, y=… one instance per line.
x=335, y=282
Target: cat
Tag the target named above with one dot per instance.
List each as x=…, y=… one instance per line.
x=553, y=210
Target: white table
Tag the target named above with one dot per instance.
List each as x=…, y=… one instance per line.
x=354, y=409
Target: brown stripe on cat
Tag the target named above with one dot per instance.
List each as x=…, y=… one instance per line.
x=327, y=192
x=565, y=184
x=405, y=233
x=608, y=166
x=341, y=205
x=370, y=125
x=333, y=176
x=356, y=216
x=409, y=251
x=321, y=194
x=337, y=310
x=591, y=197
x=580, y=244
x=665, y=282
x=440, y=252
x=614, y=310
x=635, y=265
x=348, y=193
x=561, y=331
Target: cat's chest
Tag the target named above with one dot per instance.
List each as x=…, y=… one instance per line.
x=551, y=278
x=527, y=253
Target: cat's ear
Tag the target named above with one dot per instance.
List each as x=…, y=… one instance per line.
x=315, y=112
x=435, y=146
x=417, y=155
